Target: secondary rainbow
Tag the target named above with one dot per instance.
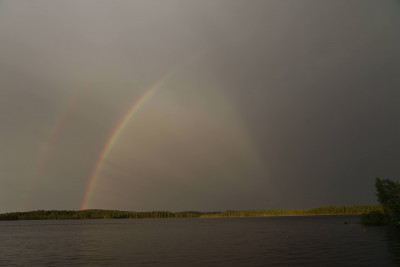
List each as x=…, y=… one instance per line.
x=55, y=132
x=114, y=137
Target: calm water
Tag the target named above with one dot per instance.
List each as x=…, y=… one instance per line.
x=270, y=241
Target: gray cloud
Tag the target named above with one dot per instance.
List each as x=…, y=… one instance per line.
x=290, y=104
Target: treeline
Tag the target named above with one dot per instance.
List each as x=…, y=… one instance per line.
x=94, y=214
x=116, y=214
x=328, y=210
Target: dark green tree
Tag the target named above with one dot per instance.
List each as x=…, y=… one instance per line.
x=388, y=194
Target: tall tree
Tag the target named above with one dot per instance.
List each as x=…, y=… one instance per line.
x=388, y=194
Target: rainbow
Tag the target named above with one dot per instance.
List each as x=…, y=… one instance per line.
x=114, y=137
x=55, y=132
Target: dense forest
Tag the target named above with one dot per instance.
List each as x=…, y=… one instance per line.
x=115, y=214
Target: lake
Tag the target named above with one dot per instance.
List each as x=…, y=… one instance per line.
x=262, y=241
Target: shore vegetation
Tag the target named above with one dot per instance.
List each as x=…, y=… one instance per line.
x=388, y=195
x=116, y=214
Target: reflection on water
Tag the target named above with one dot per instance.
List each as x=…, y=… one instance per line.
x=393, y=243
x=282, y=241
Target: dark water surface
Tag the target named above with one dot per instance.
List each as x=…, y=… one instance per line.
x=268, y=241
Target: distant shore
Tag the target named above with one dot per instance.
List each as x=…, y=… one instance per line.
x=116, y=214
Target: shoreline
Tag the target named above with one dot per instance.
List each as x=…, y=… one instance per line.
x=116, y=214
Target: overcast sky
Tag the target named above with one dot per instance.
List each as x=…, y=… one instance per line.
x=263, y=104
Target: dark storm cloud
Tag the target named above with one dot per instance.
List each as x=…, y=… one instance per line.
x=330, y=100
x=292, y=103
